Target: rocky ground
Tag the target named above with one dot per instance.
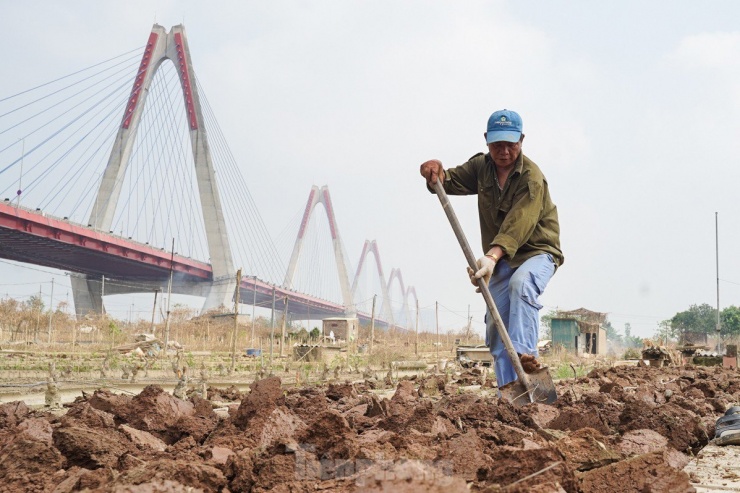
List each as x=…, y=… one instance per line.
x=618, y=429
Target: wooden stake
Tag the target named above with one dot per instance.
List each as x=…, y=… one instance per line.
x=254, y=302
x=51, y=307
x=154, y=310
x=236, y=321
x=436, y=320
x=272, y=326
x=169, y=299
x=372, y=326
x=416, y=340
x=285, y=316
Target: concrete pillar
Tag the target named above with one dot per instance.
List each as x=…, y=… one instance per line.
x=162, y=46
x=87, y=295
x=321, y=196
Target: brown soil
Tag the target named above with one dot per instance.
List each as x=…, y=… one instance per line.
x=618, y=429
x=230, y=393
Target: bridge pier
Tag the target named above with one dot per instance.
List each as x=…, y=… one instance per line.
x=87, y=294
x=172, y=45
x=221, y=292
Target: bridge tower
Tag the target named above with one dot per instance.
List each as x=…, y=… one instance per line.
x=405, y=311
x=321, y=196
x=161, y=46
x=372, y=247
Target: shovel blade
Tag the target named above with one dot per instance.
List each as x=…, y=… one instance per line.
x=542, y=389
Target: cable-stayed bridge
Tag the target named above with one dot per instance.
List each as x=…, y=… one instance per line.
x=120, y=175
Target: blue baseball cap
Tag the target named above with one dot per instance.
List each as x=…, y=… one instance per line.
x=504, y=125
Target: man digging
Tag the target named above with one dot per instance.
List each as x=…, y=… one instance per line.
x=519, y=232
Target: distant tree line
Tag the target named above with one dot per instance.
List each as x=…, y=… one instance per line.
x=697, y=319
x=701, y=319
x=626, y=340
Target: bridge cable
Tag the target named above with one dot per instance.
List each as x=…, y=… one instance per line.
x=125, y=70
x=234, y=177
x=83, y=101
x=139, y=49
x=64, y=127
x=48, y=169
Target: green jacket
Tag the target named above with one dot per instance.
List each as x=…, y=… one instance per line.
x=521, y=218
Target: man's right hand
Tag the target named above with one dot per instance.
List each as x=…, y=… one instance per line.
x=432, y=171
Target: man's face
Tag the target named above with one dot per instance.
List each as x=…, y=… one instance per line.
x=505, y=153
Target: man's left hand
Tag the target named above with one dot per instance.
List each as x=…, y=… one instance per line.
x=485, y=271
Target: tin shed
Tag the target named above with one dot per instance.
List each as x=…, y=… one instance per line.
x=580, y=331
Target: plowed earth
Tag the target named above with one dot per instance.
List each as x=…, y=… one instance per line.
x=619, y=429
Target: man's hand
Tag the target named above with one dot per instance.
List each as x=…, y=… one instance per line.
x=432, y=171
x=485, y=271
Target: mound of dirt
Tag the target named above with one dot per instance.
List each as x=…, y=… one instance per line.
x=618, y=429
x=264, y=397
x=229, y=394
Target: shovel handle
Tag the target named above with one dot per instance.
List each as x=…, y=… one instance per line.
x=470, y=257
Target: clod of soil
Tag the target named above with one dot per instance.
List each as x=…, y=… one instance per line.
x=649, y=472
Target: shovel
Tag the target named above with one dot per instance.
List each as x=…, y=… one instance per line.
x=529, y=387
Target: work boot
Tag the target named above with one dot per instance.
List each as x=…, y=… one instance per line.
x=529, y=363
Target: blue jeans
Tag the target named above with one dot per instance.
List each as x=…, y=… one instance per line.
x=516, y=293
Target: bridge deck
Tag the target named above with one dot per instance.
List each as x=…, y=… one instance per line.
x=34, y=237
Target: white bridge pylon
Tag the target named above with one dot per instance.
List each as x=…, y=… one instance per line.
x=321, y=196
x=162, y=46
x=386, y=307
x=349, y=291
x=372, y=247
x=405, y=311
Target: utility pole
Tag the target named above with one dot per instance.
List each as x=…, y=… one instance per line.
x=436, y=320
x=372, y=325
x=154, y=310
x=254, y=302
x=467, y=331
x=272, y=326
x=51, y=307
x=716, y=245
x=102, y=295
x=38, y=319
x=416, y=341
x=285, y=316
x=236, y=322
x=20, y=179
x=169, y=300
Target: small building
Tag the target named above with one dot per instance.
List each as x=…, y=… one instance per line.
x=345, y=329
x=314, y=353
x=579, y=331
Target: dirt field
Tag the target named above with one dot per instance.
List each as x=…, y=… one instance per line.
x=618, y=429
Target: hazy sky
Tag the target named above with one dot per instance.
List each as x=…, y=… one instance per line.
x=630, y=108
